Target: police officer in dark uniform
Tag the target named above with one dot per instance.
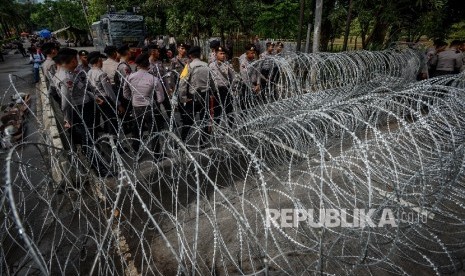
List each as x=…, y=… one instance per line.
x=178, y=63
x=84, y=64
x=157, y=69
x=123, y=70
x=195, y=88
x=266, y=67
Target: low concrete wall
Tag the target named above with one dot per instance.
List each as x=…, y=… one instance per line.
x=51, y=131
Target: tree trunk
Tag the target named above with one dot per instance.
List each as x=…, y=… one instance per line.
x=8, y=29
x=317, y=29
x=5, y=32
x=378, y=35
x=347, y=30
x=238, y=17
x=301, y=22
x=364, y=42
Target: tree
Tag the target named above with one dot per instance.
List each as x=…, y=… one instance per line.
x=279, y=20
x=317, y=24
x=14, y=16
x=59, y=14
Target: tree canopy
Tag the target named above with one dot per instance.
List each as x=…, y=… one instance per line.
x=375, y=22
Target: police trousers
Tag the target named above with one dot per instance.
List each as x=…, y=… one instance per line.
x=147, y=118
x=107, y=110
x=83, y=132
x=223, y=105
x=188, y=115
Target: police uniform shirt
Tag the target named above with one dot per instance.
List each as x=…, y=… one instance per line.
x=109, y=67
x=212, y=57
x=124, y=69
x=101, y=84
x=59, y=76
x=267, y=61
x=248, y=72
x=74, y=92
x=140, y=88
x=222, y=72
x=197, y=79
x=178, y=63
x=81, y=67
x=49, y=68
x=156, y=68
x=447, y=60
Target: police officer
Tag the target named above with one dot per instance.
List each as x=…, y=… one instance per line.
x=250, y=76
x=146, y=93
x=105, y=96
x=49, y=68
x=156, y=65
x=194, y=94
x=448, y=61
x=223, y=77
x=110, y=64
x=213, y=46
x=279, y=47
x=83, y=63
x=181, y=60
x=266, y=67
x=78, y=107
x=122, y=73
x=157, y=69
x=59, y=76
x=123, y=69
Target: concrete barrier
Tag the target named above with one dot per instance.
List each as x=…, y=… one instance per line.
x=51, y=133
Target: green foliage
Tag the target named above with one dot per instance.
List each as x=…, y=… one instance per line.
x=14, y=16
x=59, y=14
x=279, y=20
x=376, y=22
x=458, y=31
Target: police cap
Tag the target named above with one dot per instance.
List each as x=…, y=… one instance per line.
x=83, y=53
x=214, y=44
x=220, y=49
x=183, y=45
x=196, y=50
x=269, y=43
x=250, y=47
